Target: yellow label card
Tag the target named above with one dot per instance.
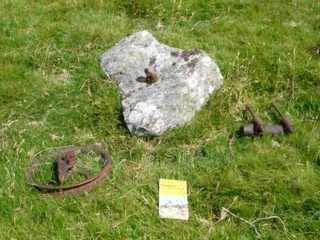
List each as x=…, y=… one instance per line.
x=172, y=187
x=173, y=199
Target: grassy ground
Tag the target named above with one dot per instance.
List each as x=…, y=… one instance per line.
x=53, y=93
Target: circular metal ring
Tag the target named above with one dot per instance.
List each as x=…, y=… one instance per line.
x=82, y=186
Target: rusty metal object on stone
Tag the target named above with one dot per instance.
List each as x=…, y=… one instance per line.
x=151, y=76
x=74, y=188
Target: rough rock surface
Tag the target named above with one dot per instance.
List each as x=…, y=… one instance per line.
x=185, y=81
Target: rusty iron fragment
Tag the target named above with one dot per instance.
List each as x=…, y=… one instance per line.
x=257, y=128
x=65, y=165
x=257, y=122
x=285, y=122
x=151, y=76
x=67, y=158
x=274, y=130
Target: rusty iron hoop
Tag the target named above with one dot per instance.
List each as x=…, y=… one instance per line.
x=80, y=187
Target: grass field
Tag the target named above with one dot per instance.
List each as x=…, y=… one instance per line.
x=53, y=93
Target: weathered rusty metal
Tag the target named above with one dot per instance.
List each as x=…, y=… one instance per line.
x=65, y=165
x=274, y=130
x=285, y=122
x=75, y=188
x=258, y=126
x=151, y=76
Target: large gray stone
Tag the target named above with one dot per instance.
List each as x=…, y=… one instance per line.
x=186, y=80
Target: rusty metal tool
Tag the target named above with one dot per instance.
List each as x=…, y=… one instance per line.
x=75, y=188
x=275, y=130
x=257, y=122
x=258, y=128
x=65, y=165
x=285, y=122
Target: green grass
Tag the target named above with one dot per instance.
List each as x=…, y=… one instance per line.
x=53, y=93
